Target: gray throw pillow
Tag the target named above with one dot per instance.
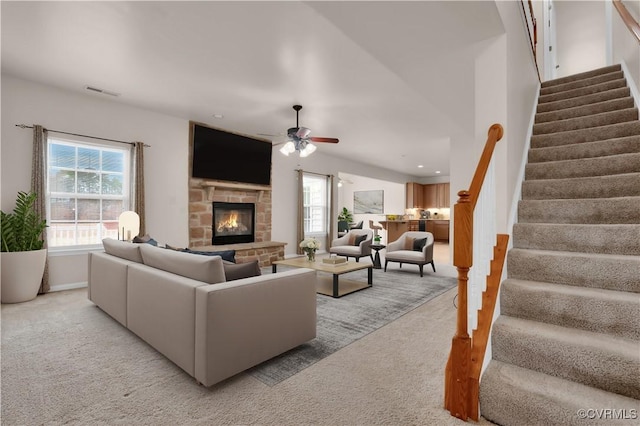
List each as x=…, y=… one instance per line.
x=359, y=239
x=419, y=243
x=229, y=255
x=237, y=271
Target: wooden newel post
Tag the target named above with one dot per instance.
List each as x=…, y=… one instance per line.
x=458, y=387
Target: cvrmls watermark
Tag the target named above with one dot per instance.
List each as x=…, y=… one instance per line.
x=608, y=413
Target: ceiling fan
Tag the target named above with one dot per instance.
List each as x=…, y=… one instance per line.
x=299, y=139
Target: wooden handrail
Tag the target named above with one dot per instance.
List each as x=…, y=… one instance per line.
x=460, y=398
x=533, y=41
x=628, y=19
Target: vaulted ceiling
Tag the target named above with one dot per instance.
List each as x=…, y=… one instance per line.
x=392, y=80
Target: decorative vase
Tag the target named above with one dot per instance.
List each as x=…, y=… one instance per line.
x=311, y=255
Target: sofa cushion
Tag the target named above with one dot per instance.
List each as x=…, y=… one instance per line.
x=237, y=271
x=229, y=255
x=122, y=249
x=352, y=238
x=419, y=243
x=207, y=269
x=359, y=239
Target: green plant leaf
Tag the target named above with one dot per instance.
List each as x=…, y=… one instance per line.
x=22, y=229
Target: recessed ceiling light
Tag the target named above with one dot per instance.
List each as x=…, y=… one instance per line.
x=218, y=116
x=437, y=171
x=420, y=166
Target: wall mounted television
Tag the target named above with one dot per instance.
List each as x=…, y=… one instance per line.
x=225, y=156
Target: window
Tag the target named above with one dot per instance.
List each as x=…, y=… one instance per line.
x=316, y=206
x=88, y=188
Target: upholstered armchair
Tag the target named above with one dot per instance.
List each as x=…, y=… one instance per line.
x=412, y=247
x=356, y=243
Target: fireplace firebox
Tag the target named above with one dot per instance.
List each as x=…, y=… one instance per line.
x=233, y=223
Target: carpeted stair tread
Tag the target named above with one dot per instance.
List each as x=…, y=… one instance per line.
x=599, y=360
x=576, y=84
x=589, y=90
x=603, y=239
x=606, y=271
x=595, y=120
x=591, y=309
x=584, y=167
x=585, y=150
x=612, y=131
x=621, y=92
x=585, y=110
x=581, y=76
x=623, y=185
x=511, y=395
x=581, y=210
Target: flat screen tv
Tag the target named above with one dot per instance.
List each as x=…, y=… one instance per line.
x=220, y=155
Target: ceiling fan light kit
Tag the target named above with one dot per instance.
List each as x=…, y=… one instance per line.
x=299, y=139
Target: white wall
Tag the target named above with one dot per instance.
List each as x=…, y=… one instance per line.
x=581, y=36
x=625, y=48
x=166, y=161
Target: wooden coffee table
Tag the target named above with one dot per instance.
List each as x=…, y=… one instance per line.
x=334, y=287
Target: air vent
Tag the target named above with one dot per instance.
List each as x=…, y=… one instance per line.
x=98, y=90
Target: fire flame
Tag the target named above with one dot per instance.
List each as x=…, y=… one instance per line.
x=231, y=224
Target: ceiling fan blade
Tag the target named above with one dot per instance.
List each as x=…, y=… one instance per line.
x=303, y=132
x=327, y=140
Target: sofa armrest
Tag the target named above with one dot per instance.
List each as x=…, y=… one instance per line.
x=242, y=323
x=108, y=284
x=340, y=241
x=396, y=245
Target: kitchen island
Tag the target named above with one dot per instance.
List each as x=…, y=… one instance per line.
x=395, y=228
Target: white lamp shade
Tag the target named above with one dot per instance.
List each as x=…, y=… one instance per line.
x=308, y=150
x=288, y=148
x=128, y=225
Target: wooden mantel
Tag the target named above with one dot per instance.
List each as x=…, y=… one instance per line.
x=211, y=186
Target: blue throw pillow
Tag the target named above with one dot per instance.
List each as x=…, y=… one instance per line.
x=145, y=239
x=229, y=255
x=419, y=243
x=359, y=239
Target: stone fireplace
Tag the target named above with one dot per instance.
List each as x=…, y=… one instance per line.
x=203, y=194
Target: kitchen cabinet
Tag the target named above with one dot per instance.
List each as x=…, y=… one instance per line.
x=414, y=195
x=428, y=196
x=439, y=229
x=442, y=194
x=436, y=195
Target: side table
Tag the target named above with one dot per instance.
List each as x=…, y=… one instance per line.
x=376, y=258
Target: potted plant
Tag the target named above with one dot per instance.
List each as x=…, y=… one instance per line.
x=23, y=256
x=345, y=216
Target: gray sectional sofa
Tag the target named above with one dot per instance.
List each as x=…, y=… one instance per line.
x=180, y=304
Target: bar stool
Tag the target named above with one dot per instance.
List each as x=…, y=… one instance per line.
x=375, y=228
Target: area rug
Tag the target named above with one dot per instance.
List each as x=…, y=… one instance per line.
x=343, y=321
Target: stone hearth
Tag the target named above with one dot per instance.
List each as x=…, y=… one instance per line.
x=202, y=193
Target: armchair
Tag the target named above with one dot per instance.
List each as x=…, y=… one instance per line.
x=349, y=245
x=409, y=249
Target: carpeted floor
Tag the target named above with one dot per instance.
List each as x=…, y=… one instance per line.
x=66, y=362
x=343, y=321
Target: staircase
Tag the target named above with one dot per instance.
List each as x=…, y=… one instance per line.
x=568, y=338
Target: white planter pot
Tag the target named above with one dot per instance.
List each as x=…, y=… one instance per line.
x=21, y=275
